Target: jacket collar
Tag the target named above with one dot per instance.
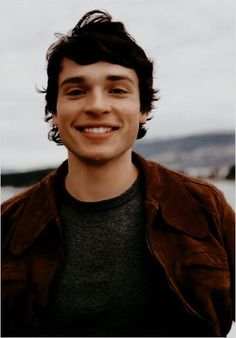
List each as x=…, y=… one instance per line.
x=163, y=189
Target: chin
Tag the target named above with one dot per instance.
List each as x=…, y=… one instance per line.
x=100, y=155
x=95, y=159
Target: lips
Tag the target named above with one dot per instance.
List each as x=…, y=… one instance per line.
x=97, y=129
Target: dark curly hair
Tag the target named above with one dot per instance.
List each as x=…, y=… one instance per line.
x=96, y=38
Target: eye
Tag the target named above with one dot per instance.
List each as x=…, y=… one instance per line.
x=118, y=91
x=76, y=92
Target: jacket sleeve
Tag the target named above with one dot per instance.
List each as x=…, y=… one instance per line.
x=228, y=233
x=13, y=275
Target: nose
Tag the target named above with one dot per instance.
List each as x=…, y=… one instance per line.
x=97, y=103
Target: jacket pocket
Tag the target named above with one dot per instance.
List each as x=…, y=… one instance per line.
x=206, y=269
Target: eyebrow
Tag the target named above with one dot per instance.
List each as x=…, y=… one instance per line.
x=74, y=79
x=81, y=79
x=119, y=78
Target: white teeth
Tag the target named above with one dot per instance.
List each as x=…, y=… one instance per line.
x=98, y=130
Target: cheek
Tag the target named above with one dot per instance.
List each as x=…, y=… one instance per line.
x=132, y=109
x=65, y=112
x=135, y=119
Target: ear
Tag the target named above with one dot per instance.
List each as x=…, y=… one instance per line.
x=54, y=119
x=143, y=117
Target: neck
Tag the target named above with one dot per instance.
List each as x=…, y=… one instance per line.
x=89, y=182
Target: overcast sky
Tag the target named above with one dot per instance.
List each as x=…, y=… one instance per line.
x=191, y=42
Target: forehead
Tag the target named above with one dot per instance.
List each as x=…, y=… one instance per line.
x=96, y=71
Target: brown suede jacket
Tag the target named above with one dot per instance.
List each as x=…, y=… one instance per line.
x=190, y=231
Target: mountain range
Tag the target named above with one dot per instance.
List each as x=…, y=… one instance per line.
x=214, y=151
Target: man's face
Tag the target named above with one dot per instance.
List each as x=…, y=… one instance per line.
x=98, y=110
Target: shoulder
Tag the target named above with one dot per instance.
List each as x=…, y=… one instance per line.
x=19, y=200
x=188, y=189
x=39, y=192
x=26, y=214
x=205, y=194
x=191, y=197
x=14, y=210
x=28, y=201
x=175, y=184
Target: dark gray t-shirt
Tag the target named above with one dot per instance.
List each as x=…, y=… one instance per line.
x=109, y=284
x=103, y=285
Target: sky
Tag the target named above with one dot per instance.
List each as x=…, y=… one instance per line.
x=192, y=44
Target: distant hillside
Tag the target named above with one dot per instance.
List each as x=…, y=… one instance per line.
x=197, y=151
x=200, y=155
x=24, y=179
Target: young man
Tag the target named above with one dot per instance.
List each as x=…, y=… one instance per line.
x=110, y=244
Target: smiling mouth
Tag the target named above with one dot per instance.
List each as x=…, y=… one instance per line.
x=97, y=130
